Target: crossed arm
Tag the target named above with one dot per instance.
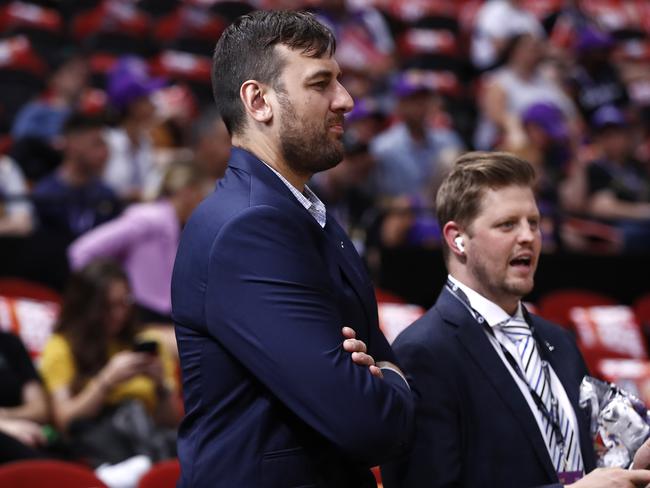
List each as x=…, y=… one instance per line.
x=274, y=308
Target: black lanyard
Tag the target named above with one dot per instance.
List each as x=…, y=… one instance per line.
x=552, y=417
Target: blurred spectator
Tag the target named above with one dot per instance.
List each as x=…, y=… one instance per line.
x=618, y=185
x=44, y=118
x=73, y=199
x=144, y=240
x=546, y=146
x=175, y=108
x=411, y=154
x=211, y=144
x=365, y=121
x=595, y=81
x=497, y=21
x=36, y=157
x=16, y=212
x=399, y=217
x=23, y=402
x=513, y=88
x=112, y=399
x=364, y=40
x=131, y=170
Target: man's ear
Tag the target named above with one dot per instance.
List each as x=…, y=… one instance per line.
x=255, y=97
x=454, y=238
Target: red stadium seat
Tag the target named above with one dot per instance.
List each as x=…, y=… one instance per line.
x=28, y=310
x=642, y=310
x=52, y=474
x=16, y=15
x=111, y=17
x=384, y=296
x=162, y=475
x=556, y=306
x=632, y=374
x=377, y=474
x=19, y=288
x=395, y=314
x=608, y=332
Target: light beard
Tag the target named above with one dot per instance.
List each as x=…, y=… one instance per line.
x=499, y=291
x=306, y=146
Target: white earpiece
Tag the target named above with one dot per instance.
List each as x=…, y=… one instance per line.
x=460, y=244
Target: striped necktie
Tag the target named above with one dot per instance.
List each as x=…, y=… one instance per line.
x=518, y=331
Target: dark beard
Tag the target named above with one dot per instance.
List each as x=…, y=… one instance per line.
x=307, y=148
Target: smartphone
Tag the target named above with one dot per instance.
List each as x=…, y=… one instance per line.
x=150, y=347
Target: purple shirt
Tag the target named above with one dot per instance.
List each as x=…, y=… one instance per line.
x=144, y=240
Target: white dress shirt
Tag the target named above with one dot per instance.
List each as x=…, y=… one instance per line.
x=494, y=315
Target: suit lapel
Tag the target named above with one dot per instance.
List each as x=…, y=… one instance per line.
x=349, y=262
x=340, y=247
x=474, y=339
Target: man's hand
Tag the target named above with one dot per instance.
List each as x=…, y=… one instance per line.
x=358, y=350
x=642, y=456
x=613, y=478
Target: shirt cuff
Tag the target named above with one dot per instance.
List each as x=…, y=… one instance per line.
x=383, y=368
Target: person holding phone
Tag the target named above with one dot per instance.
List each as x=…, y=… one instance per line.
x=96, y=363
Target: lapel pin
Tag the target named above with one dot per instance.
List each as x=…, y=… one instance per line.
x=342, y=246
x=550, y=348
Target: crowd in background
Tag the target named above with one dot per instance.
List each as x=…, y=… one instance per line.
x=100, y=98
x=109, y=139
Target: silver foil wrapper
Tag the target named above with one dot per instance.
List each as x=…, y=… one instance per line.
x=618, y=418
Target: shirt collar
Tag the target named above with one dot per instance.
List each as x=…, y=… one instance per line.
x=492, y=313
x=308, y=199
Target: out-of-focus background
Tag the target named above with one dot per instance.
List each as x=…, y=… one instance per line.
x=109, y=139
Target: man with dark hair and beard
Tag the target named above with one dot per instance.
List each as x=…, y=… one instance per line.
x=287, y=379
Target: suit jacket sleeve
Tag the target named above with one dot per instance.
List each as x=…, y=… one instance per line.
x=435, y=459
x=270, y=302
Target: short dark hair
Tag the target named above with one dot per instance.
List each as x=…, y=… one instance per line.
x=460, y=194
x=80, y=122
x=246, y=50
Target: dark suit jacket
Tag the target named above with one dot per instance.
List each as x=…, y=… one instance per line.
x=473, y=425
x=259, y=295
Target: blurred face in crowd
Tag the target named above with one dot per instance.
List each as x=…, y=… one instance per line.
x=312, y=104
x=119, y=303
x=365, y=129
x=213, y=149
x=142, y=112
x=87, y=149
x=527, y=53
x=414, y=109
x=354, y=170
x=502, y=246
x=616, y=143
x=537, y=135
x=70, y=78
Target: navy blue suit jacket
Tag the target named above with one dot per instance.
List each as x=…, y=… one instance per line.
x=259, y=295
x=473, y=425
